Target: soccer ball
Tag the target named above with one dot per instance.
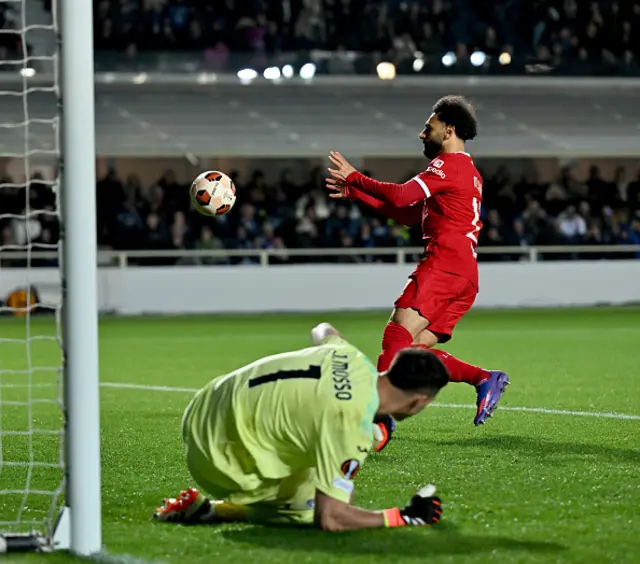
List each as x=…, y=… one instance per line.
x=213, y=193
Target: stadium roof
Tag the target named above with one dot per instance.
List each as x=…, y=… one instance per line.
x=172, y=116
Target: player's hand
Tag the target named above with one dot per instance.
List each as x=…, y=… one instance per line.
x=424, y=509
x=338, y=188
x=383, y=429
x=320, y=332
x=343, y=168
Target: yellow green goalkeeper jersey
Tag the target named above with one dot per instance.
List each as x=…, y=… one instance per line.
x=311, y=408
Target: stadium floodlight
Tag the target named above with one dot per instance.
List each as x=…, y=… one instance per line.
x=478, y=58
x=27, y=72
x=287, y=71
x=140, y=78
x=272, y=73
x=247, y=75
x=386, y=71
x=449, y=59
x=418, y=62
x=308, y=71
x=49, y=429
x=206, y=78
x=505, y=58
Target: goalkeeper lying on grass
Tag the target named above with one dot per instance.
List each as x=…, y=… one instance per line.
x=280, y=441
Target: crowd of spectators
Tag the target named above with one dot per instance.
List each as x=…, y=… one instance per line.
x=285, y=215
x=564, y=36
x=11, y=47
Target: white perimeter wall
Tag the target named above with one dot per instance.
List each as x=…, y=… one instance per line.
x=214, y=289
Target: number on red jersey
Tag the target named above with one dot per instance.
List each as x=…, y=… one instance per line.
x=473, y=234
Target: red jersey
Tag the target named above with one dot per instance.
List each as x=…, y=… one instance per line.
x=446, y=198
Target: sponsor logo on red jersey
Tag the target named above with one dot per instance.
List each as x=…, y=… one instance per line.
x=437, y=172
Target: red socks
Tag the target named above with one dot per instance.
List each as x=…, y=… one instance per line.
x=461, y=371
x=396, y=337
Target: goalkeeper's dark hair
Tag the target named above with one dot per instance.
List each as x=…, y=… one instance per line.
x=458, y=112
x=418, y=370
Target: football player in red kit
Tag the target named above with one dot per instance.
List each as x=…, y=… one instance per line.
x=445, y=199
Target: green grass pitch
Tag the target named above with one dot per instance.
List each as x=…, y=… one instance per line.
x=527, y=487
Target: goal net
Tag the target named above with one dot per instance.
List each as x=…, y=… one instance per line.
x=34, y=408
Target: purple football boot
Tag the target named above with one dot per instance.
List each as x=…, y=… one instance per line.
x=489, y=393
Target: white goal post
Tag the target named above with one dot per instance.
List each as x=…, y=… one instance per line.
x=70, y=518
x=80, y=302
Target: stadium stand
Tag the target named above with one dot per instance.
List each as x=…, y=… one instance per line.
x=283, y=214
x=11, y=47
x=292, y=119
x=567, y=37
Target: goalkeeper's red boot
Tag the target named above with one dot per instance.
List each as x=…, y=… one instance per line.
x=190, y=507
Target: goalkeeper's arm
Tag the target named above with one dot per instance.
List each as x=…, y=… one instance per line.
x=334, y=515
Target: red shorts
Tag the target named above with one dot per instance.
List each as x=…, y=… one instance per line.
x=440, y=297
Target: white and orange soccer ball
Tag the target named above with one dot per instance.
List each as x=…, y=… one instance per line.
x=213, y=193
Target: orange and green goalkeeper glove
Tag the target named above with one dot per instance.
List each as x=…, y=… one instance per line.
x=424, y=509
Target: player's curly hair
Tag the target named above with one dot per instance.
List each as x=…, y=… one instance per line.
x=418, y=370
x=458, y=112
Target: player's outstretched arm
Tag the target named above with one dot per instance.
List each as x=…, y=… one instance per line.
x=334, y=515
x=408, y=215
x=398, y=195
x=345, y=437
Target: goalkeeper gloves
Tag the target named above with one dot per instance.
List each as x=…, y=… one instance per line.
x=424, y=509
x=383, y=428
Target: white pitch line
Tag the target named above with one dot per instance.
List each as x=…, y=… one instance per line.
x=106, y=558
x=145, y=387
x=603, y=414
x=544, y=410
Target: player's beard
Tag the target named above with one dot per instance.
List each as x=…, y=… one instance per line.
x=432, y=148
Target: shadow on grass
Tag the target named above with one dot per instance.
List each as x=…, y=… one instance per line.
x=410, y=542
x=537, y=448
